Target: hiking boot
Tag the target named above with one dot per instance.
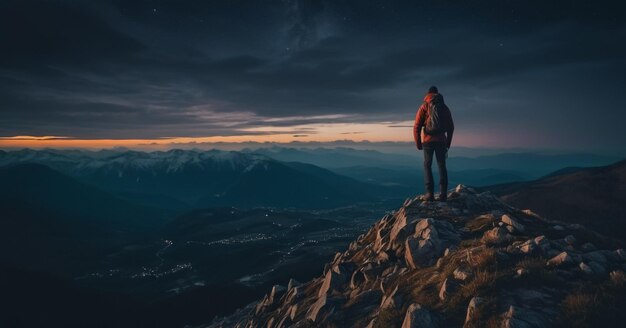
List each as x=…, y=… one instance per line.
x=443, y=195
x=429, y=197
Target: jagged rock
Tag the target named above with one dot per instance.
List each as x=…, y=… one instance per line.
x=585, y=268
x=379, y=242
x=570, y=239
x=461, y=274
x=322, y=308
x=496, y=235
x=543, y=243
x=597, y=267
x=561, y=259
x=621, y=254
x=393, y=300
x=269, y=299
x=418, y=317
x=429, y=241
x=517, y=317
x=357, y=279
x=558, y=227
x=400, y=228
x=528, y=247
x=510, y=221
x=332, y=281
x=472, y=309
x=448, y=287
x=292, y=284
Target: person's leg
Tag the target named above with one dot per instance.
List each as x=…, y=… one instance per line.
x=440, y=152
x=428, y=172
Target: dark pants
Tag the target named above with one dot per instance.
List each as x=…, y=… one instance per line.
x=439, y=148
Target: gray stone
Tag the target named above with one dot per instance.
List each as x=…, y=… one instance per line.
x=528, y=247
x=621, y=254
x=570, y=239
x=558, y=228
x=418, y=317
x=509, y=220
x=561, y=259
x=585, y=268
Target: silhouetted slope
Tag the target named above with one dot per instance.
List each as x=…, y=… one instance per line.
x=595, y=197
x=50, y=221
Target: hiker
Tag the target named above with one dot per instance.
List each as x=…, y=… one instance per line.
x=432, y=132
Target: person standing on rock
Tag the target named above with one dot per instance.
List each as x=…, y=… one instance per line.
x=432, y=132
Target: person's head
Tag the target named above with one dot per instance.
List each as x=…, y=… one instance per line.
x=433, y=89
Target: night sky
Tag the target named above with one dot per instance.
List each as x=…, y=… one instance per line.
x=536, y=74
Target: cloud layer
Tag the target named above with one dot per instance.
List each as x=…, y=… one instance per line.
x=527, y=72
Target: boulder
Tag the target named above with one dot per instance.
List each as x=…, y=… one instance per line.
x=570, y=239
x=561, y=259
x=428, y=242
x=510, y=221
x=418, y=317
x=528, y=246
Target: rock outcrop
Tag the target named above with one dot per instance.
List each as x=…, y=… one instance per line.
x=473, y=261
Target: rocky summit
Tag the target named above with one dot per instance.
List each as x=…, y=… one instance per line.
x=473, y=261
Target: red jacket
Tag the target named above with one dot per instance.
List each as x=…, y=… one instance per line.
x=420, y=119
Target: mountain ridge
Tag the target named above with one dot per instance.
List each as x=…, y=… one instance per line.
x=473, y=261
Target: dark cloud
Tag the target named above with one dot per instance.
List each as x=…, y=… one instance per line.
x=145, y=69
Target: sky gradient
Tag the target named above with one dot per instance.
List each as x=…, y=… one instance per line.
x=547, y=74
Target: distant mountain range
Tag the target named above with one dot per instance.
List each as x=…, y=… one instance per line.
x=182, y=179
x=595, y=197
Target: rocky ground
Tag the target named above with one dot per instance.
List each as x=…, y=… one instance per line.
x=473, y=261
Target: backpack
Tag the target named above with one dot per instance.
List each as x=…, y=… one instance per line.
x=435, y=123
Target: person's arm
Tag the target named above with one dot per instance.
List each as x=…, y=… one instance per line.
x=417, y=127
x=450, y=130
